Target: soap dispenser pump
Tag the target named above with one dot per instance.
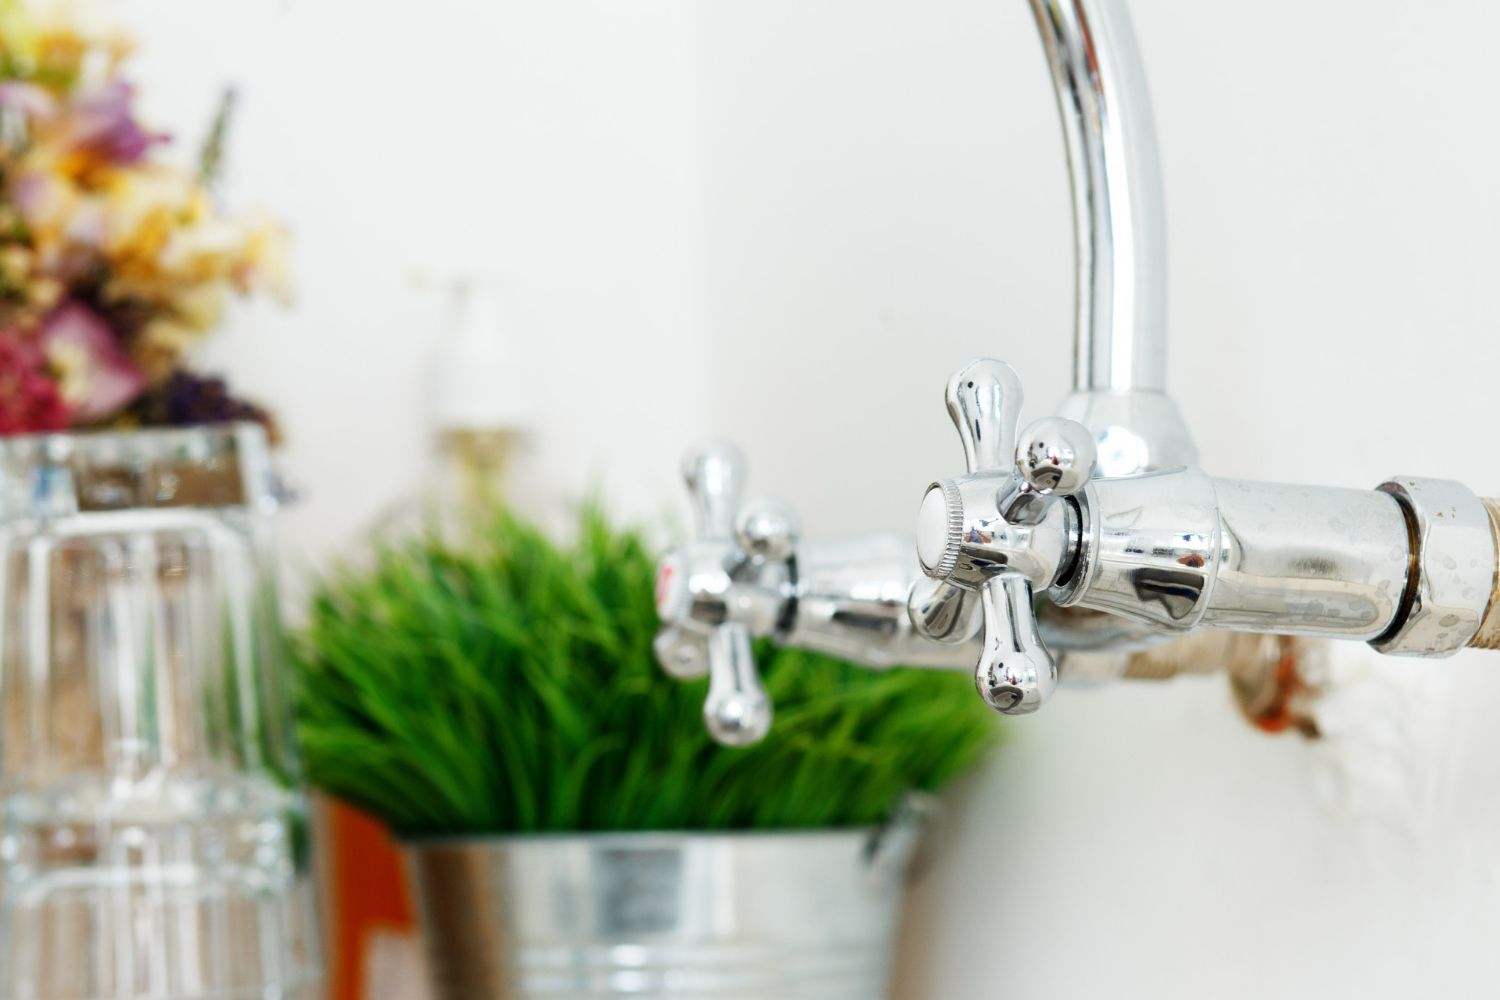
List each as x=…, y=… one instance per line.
x=478, y=404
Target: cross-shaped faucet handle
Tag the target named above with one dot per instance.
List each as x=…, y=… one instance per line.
x=981, y=536
x=696, y=586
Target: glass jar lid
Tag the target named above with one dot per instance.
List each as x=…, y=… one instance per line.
x=207, y=466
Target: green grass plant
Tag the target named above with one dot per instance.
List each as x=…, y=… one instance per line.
x=502, y=682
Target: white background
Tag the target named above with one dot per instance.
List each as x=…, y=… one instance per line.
x=787, y=221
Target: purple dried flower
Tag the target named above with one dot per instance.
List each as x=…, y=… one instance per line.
x=186, y=398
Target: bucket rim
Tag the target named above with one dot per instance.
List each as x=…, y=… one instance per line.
x=643, y=837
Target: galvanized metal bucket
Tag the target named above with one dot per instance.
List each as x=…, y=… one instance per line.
x=783, y=915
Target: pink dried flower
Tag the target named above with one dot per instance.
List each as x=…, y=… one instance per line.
x=97, y=377
x=100, y=120
x=28, y=99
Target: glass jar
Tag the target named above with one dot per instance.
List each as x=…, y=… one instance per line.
x=153, y=832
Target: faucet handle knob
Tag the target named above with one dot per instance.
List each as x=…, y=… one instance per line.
x=767, y=529
x=681, y=654
x=1015, y=673
x=984, y=400
x=714, y=471
x=942, y=611
x=738, y=711
x=1056, y=456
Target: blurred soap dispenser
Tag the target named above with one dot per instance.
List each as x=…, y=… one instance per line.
x=479, y=398
x=479, y=415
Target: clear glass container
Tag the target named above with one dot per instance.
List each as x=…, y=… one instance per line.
x=153, y=832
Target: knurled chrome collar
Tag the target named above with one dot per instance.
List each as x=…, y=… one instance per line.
x=940, y=529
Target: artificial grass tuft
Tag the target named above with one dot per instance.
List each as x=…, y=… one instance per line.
x=507, y=685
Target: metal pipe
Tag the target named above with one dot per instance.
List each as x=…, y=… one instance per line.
x=1308, y=560
x=1118, y=215
x=1184, y=551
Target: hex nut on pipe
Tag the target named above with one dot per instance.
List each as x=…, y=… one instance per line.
x=1489, y=630
x=1452, y=570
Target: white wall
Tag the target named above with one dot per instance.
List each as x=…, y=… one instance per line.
x=788, y=221
x=560, y=139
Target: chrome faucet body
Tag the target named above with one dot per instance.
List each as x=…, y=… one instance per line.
x=746, y=575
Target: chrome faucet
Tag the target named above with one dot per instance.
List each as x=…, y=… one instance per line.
x=1090, y=530
x=1147, y=538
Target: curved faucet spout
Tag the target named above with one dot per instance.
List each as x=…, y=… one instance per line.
x=1120, y=241
x=1120, y=325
